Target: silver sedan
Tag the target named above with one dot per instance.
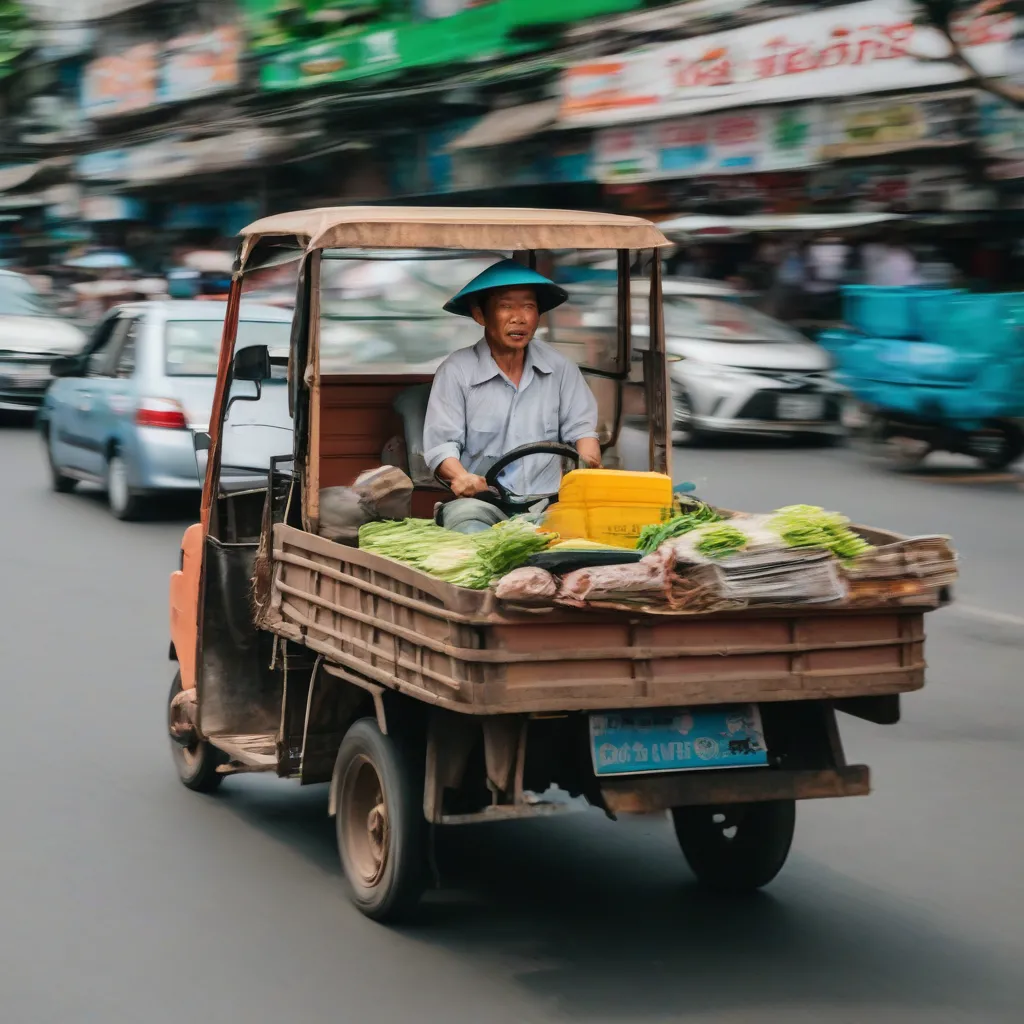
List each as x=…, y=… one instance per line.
x=123, y=412
x=733, y=370
x=738, y=371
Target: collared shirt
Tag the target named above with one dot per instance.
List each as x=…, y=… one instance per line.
x=476, y=414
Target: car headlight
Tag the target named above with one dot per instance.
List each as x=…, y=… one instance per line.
x=708, y=371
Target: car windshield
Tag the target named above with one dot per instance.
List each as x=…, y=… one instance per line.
x=18, y=297
x=719, y=320
x=193, y=346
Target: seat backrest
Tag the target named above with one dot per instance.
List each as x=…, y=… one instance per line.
x=411, y=406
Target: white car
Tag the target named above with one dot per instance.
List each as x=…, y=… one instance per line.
x=733, y=370
x=31, y=336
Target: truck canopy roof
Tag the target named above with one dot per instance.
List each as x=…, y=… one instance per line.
x=398, y=227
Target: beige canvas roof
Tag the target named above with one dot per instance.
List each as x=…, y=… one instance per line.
x=412, y=227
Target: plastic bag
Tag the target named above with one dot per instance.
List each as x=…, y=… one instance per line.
x=527, y=586
x=635, y=581
x=381, y=493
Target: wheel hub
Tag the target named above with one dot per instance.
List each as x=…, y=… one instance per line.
x=367, y=832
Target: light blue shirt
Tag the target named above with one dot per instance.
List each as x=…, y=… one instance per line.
x=476, y=414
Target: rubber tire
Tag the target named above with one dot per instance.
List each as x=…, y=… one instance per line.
x=134, y=504
x=58, y=481
x=748, y=860
x=684, y=437
x=397, y=893
x=825, y=440
x=871, y=442
x=1013, y=448
x=200, y=773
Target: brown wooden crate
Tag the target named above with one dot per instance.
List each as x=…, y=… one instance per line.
x=404, y=629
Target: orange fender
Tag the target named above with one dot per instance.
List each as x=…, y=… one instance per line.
x=184, y=604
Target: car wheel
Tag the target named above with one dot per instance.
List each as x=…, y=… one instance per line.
x=60, y=482
x=683, y=431
x=738, y=847
x=380, y=822
x=198, y=761
x=1000, y=449
x=124, y=501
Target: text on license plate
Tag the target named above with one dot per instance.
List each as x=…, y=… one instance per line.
x=800, y=407
x=677, y=739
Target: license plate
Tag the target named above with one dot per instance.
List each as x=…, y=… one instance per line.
x=800, y=407
x=677, y=739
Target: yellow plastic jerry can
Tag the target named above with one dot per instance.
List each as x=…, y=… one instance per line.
x=611, y=506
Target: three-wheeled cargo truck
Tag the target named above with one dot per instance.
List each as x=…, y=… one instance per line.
x=425, y=704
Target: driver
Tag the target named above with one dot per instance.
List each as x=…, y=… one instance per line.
x=507, y=390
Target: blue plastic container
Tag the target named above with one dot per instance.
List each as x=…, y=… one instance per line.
x=888, y=312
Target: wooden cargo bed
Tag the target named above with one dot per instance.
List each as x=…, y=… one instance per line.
x=400, y=628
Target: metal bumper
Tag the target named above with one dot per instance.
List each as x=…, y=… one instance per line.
x=728, y=425
x=645, y=795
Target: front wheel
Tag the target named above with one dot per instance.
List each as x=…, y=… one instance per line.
x=684, y=432
x=736, y=847
x=61, y=483
x=197, y=762
x=380, y=822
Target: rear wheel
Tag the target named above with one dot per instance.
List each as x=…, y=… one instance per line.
x=125, y=502
x=999, y=448
x=380, y=822
x=61, y=483
x=197, y=762
x=736, y=847
x=875, y=439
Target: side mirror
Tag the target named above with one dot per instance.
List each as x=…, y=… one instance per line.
x=252, y=363
x=68, y=366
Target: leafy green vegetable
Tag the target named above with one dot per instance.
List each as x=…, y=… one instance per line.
x=808, y=526
x=652, y=537
x=720, y=539
x=472, y=560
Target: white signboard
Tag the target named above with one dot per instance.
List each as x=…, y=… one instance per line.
x=744, y=142
x=843, y=51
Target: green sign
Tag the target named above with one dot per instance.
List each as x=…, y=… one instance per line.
x=273, y=24
x=314, y=42
x=16, y=35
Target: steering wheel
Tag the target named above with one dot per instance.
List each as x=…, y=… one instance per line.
x=515, y=503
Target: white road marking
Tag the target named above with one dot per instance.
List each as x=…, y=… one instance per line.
x=971, y=611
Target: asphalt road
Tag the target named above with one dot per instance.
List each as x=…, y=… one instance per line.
x=126, y=899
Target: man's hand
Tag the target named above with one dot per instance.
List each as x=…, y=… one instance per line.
x=463, y=483
x=590, y=452
x=468, y=485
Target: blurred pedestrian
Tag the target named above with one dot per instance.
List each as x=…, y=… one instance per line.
x=890, y=265
x=826, y=269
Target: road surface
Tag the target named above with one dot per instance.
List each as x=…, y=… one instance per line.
x=127, y=899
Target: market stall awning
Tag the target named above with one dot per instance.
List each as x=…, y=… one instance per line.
x=18, y=175
x=696, y=224
x=509, y=124
x=176, y=160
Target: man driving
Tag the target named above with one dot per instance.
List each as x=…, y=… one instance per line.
x=507, y=390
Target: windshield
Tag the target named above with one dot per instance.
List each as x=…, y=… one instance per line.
x=193, y=346
x=18, y=297
x=377, y=313
x=718, y=320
